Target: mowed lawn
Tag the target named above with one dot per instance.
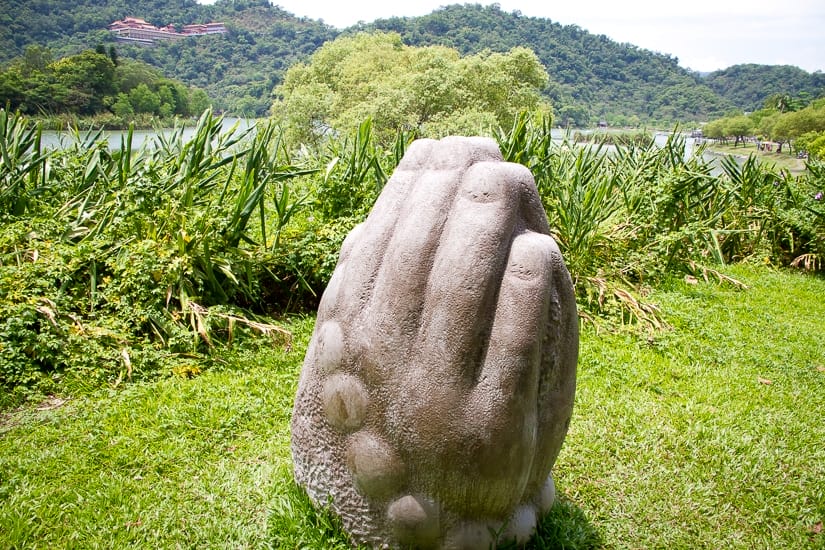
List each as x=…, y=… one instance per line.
x=710, y=434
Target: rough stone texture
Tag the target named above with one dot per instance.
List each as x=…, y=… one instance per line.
x=438, y=385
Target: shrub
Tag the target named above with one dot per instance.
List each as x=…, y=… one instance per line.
x=126, y=263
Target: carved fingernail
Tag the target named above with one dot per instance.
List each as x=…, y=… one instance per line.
x=345, y=402
x=529, y=256
x=495, y=181
x=414, y=520
x=482, y=183
x=377, y=470
x=329, y=347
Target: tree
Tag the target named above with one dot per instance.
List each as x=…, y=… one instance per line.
x=12, y=88
x=89, y=83
x=812, y=143
x=739, y=127
x=198, y=101
x=786, y=127
x=83, y=80
x=130, y=74
x=432, y=90
x=122, y=107
x=782, y=102
x=715, y=129
x=144, y=100
x=113, y=55
x=167, y=100
x=573, y=116
x=36, y=58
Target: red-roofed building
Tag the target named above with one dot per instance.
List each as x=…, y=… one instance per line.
x=136, y=30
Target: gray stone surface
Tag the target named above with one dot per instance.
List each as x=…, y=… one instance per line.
x=439, y=382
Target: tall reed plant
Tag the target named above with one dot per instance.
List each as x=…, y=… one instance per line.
x=167, y=247
x=632, y=213
x=357, y=167
x=23, y=166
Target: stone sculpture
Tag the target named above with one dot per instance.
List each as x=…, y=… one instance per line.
x=439, y=382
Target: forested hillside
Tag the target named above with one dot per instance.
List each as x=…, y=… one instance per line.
x=54, y=23
x=238, y=69
x=592, y=78
x=749, y=86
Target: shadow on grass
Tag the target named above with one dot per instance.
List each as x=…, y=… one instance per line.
x=295, y=523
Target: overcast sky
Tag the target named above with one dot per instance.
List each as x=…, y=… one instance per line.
x=705, y=35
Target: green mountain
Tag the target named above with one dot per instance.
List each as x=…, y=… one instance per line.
x=59, y=23
x=749, y=86
x=592, y=77
x=238, y=69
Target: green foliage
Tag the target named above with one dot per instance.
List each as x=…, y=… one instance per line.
x=82, y=81
x=739, y=127
x=431, y=91
x=640, y=212
x=120, y=262
x=357, y=172
x=23, y=168
x=168, y=248
x=811, y=143
x=591, y=77
x=90, y=83
x=803, y=220
x=775, y=124
x=144, y=100
x=238, y=70
x=640, y=137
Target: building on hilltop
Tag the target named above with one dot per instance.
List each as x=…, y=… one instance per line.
x=138, y=31
x=204, y=28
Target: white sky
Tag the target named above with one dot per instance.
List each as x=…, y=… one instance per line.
x=705, y=35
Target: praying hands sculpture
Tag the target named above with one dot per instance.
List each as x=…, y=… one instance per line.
x=439, y=382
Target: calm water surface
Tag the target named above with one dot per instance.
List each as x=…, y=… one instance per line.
x=59, y=140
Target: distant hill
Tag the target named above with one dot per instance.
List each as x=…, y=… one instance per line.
x=241, y=68
x=592, y=77
x=238, y=69
x=595, y=78
x=748, y=86
x=55, y=23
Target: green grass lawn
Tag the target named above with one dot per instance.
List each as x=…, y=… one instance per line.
x=707, y=435
x=784, y=159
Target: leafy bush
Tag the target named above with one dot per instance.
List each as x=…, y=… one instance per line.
x=642, y=212
x=119, y=253
x=133, y=263
x=803, y=219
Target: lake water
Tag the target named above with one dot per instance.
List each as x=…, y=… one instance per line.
x=59, y=140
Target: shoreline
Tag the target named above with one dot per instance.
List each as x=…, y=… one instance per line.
x=781, y=160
